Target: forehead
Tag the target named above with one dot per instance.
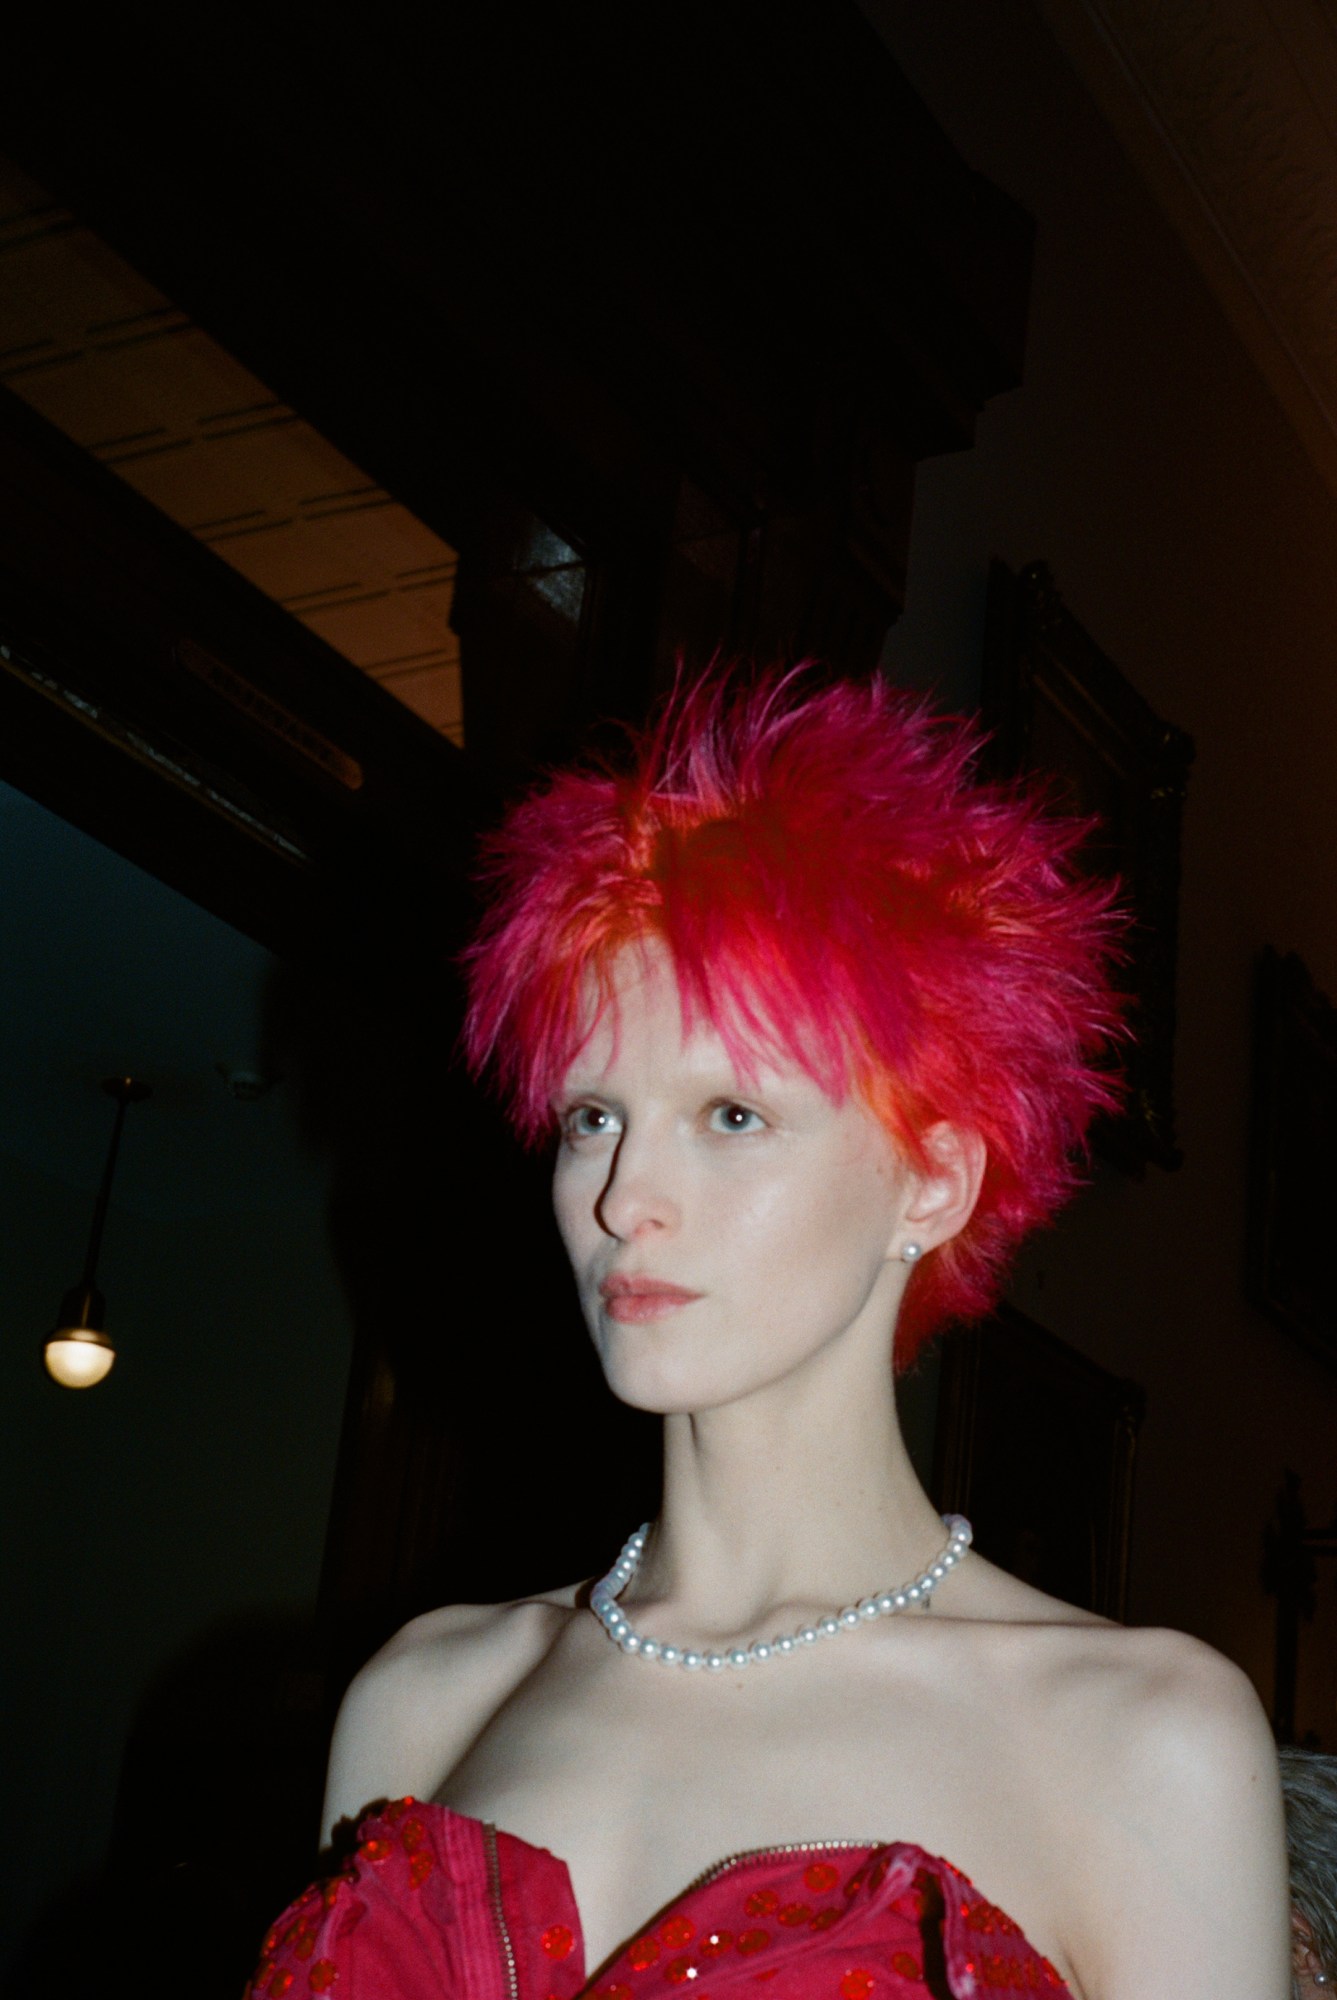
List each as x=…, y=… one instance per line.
x=637, y=1022
x=634, y=1013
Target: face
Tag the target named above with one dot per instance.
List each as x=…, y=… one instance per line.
x=726, y=1232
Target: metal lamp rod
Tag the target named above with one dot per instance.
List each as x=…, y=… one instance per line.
x=126, y=1090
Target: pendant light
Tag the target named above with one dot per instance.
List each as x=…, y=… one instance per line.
x=78, y=1353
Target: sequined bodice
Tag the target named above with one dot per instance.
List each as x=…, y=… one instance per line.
x=438, y=1906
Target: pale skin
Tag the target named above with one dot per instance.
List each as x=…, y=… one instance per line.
x=1114, y=1790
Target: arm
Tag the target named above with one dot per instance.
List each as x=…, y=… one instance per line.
x=1183, y=1893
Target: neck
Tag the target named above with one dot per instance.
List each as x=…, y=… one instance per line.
x=780, y=1507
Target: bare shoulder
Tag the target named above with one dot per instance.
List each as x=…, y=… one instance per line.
x=1176, y=1706
x=418, y=1704
x=1153, y=1722
x=1177, y=1802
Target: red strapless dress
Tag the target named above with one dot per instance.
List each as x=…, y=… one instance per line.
x=438, y=1906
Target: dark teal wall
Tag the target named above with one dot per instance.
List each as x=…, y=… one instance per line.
x=164, y=1526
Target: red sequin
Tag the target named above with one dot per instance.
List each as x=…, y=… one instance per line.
x=677, y=1931
x=908, y=1967
x=824, y=1919
x=985, y=1917
x=280, y=1983
x=398, y=1809
x=612, y=1993
x=679, y=1969
x=795, y=1914
x=412, y=1834
x=558, y=1941
x=374, y=1848
x=877, y=1874
x=323, y=1975
x=761, y=1903
x=857, y=1985
x=716, y=1944
x=819, y=1876
x=642, y=1955
x=751, y=1941
x=350, y=1919
x=421, y=1865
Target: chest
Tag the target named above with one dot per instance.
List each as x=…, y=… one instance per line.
x=643, y=1784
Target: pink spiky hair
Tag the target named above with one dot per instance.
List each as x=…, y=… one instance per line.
x=833, y=885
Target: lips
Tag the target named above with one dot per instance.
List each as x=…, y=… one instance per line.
x=633, y=1300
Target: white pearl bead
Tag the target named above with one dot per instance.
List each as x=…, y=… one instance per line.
x=604, y=1595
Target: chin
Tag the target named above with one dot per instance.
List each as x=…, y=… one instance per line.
x=670, y=1381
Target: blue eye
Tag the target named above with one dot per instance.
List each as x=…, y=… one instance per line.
x=588, y=1121
x=739, y=1118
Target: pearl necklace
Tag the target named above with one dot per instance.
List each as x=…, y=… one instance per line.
x=883, y=1604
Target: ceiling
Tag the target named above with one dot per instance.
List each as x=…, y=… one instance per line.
x=1228, y=108
x=115, y=365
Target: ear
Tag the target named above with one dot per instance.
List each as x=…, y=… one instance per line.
x=1305, y=1961
x=946, y=1188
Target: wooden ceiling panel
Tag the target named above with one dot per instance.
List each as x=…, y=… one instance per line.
x=110, y=361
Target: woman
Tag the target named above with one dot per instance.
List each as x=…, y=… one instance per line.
x=1309, y=1789
x=818, y=1023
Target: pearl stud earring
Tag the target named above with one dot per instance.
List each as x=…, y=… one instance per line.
x=912, y=1253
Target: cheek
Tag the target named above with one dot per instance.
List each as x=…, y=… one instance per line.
x=570, y=1207
x=825, y=1229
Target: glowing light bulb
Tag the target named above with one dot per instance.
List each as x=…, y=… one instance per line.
x=77, y=1357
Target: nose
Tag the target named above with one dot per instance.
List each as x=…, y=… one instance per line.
x=638, y=1199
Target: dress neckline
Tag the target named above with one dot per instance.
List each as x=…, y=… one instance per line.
x=487, y=1829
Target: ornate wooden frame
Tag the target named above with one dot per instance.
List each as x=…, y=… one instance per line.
x=1289, y=1271
x=1056, y=704
x=1035, y=1445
